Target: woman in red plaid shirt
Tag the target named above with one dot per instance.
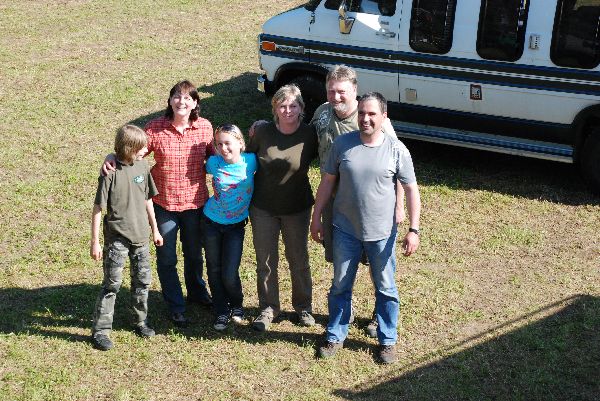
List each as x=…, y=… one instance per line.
x=181, y=141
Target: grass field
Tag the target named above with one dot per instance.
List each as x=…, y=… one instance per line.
x=502, y=301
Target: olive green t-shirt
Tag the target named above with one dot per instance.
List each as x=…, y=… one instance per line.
x=123, y=194
x=329, y=126
x=281, y=184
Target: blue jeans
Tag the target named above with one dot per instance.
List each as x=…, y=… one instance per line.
x=188, y=221
x=382, y=258
x=223, y=244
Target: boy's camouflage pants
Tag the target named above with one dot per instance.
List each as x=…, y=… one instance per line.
x=115, y=254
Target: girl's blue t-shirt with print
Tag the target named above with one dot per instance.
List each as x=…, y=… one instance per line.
x=233, y=185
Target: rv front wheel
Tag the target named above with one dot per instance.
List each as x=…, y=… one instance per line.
x=590, y=160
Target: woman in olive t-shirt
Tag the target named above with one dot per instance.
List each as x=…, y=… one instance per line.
x=282, y=202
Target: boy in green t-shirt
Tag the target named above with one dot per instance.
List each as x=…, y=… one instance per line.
x=126, y=194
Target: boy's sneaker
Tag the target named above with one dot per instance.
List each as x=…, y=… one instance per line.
x=329, y=349
x=179, y=320
x=102, y=342
x=237, y=315
x=306, y=319
x=221, y=322
x=262, y=321
x=144, y=331
x=387, y=354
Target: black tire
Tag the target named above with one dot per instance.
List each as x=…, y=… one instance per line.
x=589, y=161
x=313, y=93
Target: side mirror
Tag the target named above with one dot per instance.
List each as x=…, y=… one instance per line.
x=346, y=22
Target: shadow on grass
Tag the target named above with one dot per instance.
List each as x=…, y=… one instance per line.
x=237, y=101
x=55, y=311
x=234, y=101
x=552, y=358
x=60, y=311
x=466, y=169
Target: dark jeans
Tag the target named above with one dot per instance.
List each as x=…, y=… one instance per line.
x=188, y=221
x=223, y=244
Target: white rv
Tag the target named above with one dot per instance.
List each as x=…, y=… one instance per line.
x=512, y=76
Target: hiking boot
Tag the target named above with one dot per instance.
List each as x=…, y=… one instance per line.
x=328, y=350
x=221, y=322
x=306, y=319
x=237, y=315
x=371, y=328
x=144, y=331
x=262, y=321
x=387, y=354
x=179, y=320
x=102, y=342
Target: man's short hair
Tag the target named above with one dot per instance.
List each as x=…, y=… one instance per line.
x=375, y=96
x=342, y=73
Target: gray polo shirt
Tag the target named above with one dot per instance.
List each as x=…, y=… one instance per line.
x=365, y=201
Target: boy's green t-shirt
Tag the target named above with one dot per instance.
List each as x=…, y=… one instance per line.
x=123, y=194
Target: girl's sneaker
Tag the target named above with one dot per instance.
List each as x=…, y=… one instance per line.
x=237, y=315
x=221, y=322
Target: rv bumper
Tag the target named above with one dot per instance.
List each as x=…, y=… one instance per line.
x=264, y=85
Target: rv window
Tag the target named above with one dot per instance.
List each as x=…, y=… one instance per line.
x=378, y=7
x=501, y=31
x=576, y=36
x=431, y=25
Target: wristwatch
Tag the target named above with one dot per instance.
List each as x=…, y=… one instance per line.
x=413, y=230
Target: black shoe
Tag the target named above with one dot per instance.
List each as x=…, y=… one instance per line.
x=102, y=342
x=203, y=300
x=144, y=331
x=179, y=320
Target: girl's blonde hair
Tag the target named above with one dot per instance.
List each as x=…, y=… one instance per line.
x=290, y=91
x=128, y=141
x=232, y=130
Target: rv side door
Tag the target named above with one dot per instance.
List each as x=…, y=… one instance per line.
x=362, y=34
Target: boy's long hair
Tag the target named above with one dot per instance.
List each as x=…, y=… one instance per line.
x=128, y=141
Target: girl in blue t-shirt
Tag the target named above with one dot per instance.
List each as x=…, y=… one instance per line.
x=224, y=221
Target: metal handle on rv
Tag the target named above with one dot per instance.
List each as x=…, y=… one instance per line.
x=385, y=33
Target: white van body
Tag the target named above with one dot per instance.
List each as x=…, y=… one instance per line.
x=516, y=101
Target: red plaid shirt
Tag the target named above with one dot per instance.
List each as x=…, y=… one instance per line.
x=179, y=171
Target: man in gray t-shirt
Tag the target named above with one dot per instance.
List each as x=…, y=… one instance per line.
x=369, y=165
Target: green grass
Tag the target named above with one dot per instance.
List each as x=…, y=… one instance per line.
x=502, y=301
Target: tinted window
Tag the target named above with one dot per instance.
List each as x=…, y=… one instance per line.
x=575, y=40
x=501, y=31
x=378, y=7
x=431, y=25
